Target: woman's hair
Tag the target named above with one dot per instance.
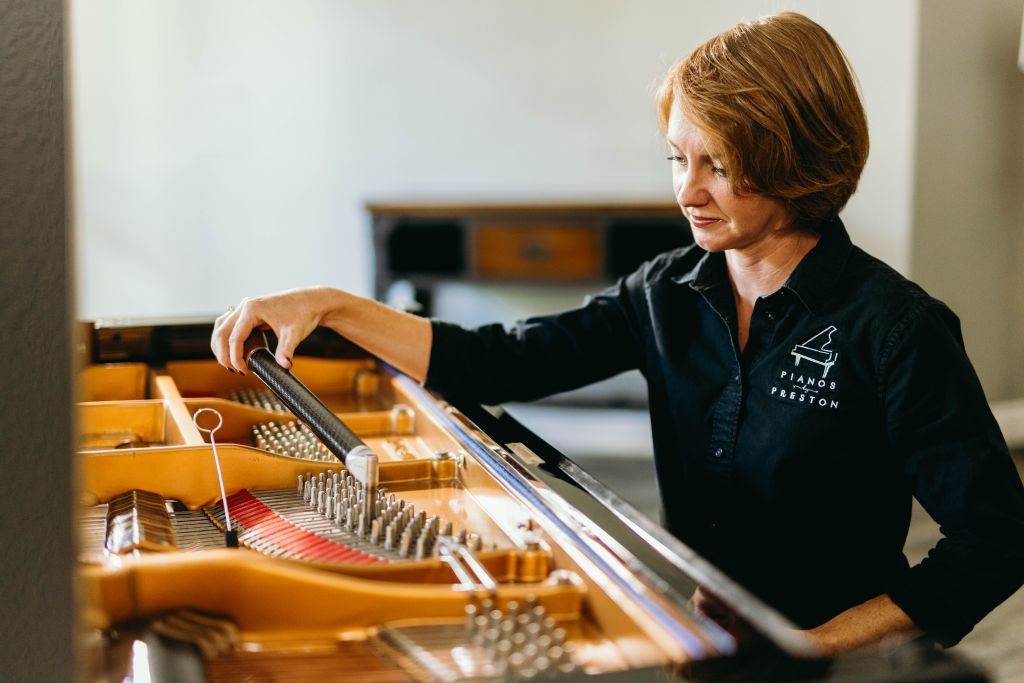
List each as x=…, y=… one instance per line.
x=777, y=103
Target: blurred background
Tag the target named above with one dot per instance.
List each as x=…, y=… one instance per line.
x=228, y=149
x=222, y=150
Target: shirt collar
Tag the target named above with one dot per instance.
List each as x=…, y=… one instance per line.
x=709, y=272
x=815, y=278
x=813, y=281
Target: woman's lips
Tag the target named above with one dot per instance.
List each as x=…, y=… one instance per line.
x=702, y=222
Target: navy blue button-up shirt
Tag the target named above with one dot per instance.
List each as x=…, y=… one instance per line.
x=791, y=465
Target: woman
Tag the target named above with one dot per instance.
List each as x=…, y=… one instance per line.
x=801, y=391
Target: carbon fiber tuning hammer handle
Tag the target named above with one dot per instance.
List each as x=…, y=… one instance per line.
x=304, y=404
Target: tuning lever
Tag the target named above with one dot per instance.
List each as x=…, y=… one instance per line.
x=361, y=462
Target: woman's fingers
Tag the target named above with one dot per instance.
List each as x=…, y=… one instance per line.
x=287, y=340
x=219, y=340
x=711, y=606
x=243, y=326
x=292, y=315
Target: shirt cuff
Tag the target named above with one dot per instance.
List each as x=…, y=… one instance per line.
x=450, y=347
x=917, y=594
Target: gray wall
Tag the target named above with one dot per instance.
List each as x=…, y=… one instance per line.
x=968, y=227
x=35, y=375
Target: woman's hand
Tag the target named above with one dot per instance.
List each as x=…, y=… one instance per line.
x=709, y=605
x=292, y=315
x=398, y=338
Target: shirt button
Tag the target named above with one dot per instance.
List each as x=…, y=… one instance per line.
x=770, y=315
x=719, y=452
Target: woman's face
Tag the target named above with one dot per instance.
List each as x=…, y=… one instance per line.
x=720, y=218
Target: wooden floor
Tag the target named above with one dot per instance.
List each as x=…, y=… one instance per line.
x=997, y=643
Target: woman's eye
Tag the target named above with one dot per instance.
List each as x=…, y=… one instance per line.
x=719, y=171
x=677, y=159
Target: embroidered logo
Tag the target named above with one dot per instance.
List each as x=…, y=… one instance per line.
x=803, y=384
x=816, y=350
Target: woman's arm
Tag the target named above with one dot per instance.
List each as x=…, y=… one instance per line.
x=862, y=625
x=538, y=357
x=867, y=623
x=398, y=338
x=955, y=462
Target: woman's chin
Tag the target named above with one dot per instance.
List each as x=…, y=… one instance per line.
x=709, y=242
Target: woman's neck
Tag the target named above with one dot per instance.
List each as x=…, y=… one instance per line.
x=761, y=269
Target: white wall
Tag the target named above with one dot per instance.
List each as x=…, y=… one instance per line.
x=968, y=231
x=225, y=149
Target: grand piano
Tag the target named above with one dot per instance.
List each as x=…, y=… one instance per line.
x=222, y=538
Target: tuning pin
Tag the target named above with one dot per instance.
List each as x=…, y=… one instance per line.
x=516, y=661
x=421, y=547
x=502, y=650
x=479, y=627
x=542, y=665
x=405, y=543
x=489, y=640
x=507, y=628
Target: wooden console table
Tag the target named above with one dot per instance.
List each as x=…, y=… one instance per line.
x=580, y=243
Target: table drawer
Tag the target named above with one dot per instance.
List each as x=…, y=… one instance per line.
x=546, y=251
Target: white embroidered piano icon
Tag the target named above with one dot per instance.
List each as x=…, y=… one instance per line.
x=816, y=350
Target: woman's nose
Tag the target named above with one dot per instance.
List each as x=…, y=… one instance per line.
x=690, y=190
